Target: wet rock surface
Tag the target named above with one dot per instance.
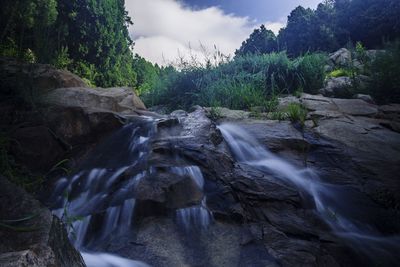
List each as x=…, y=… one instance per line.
x=253, y=218
x=30, y=235
x=258, y=219
x=15, y=75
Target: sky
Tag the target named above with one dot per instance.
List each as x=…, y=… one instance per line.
x=165, y=30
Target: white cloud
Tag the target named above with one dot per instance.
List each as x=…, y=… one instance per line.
x=164, y=27
x=275, y=26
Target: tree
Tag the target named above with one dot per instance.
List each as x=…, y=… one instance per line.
x=297, y=37
x=368, y=21
x=27, y=24
x=96, y=33
x=147, y=74
x=261, y=41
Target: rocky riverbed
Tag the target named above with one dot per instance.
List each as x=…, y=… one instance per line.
x=195, y=203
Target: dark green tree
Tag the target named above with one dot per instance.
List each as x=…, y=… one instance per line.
x=26, y=24
x=96, y=33
x=261, y=41
x=297, y=37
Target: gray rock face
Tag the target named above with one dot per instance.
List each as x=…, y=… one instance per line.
x=110, y=99
x=337, y=87
x=342, y=57
x=41, y=239
x=173, y=191
x=366, y=98
x=258, y=220
x=40, y=78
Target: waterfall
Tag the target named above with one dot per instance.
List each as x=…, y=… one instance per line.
x=332, y=202
x=98, y=200
x=198, y=216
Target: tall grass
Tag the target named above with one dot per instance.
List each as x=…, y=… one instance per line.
x=245, y=82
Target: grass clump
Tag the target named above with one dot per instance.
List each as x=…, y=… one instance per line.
x=296, y=113
x=310, y=69
x=242, y=83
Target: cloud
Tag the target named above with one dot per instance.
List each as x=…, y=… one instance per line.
x=275, y=26
x=164, y=28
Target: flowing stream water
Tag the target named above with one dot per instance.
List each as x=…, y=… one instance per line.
x=98, y=201
x=336, y=205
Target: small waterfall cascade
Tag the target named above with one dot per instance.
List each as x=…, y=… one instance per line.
x=333, y=203
x=198, y=216
x=98, y=201
x=103, y=189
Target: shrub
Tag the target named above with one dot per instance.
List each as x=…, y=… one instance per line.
x=385, y=74
x=62, y=60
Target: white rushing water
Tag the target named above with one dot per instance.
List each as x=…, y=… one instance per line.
x=109, y=260
x=326, y=197
x=103, y=189
x=198, y=216
x=98, y=200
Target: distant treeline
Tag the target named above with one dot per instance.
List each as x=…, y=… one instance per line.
x=334, y=24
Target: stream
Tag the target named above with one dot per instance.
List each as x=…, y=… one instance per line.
x=98, y=202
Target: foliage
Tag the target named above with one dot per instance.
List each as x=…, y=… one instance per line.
x=311, y=70
x=147, y=75
x=332, y=25
x=278, y=115
x=242, y=83
x=62, y=60
x=296, y=113
x=88, y=37
x=261, y=41
x=341, y=72
x=385, y=74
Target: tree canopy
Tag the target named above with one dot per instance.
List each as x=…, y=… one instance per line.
x=332, y=25
x=88, y=37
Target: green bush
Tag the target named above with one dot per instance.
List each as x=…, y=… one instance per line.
x=385, y=74
x=62, y=60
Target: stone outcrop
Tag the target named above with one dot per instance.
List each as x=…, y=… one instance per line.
x=342, y=57
x=30, y=235
x=258, y=220
x=38, y=78
x=58, y=115
x=118, y=99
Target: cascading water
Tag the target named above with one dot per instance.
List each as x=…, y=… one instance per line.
x=196, y=216
x=99, y=202
x=332, y=202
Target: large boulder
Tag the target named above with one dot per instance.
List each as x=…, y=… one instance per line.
x=337, y=87
x=170, y=190
x=51, y=114
x=38, y=78
x=30, y=235
x=342, y=57
x=117, y=99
